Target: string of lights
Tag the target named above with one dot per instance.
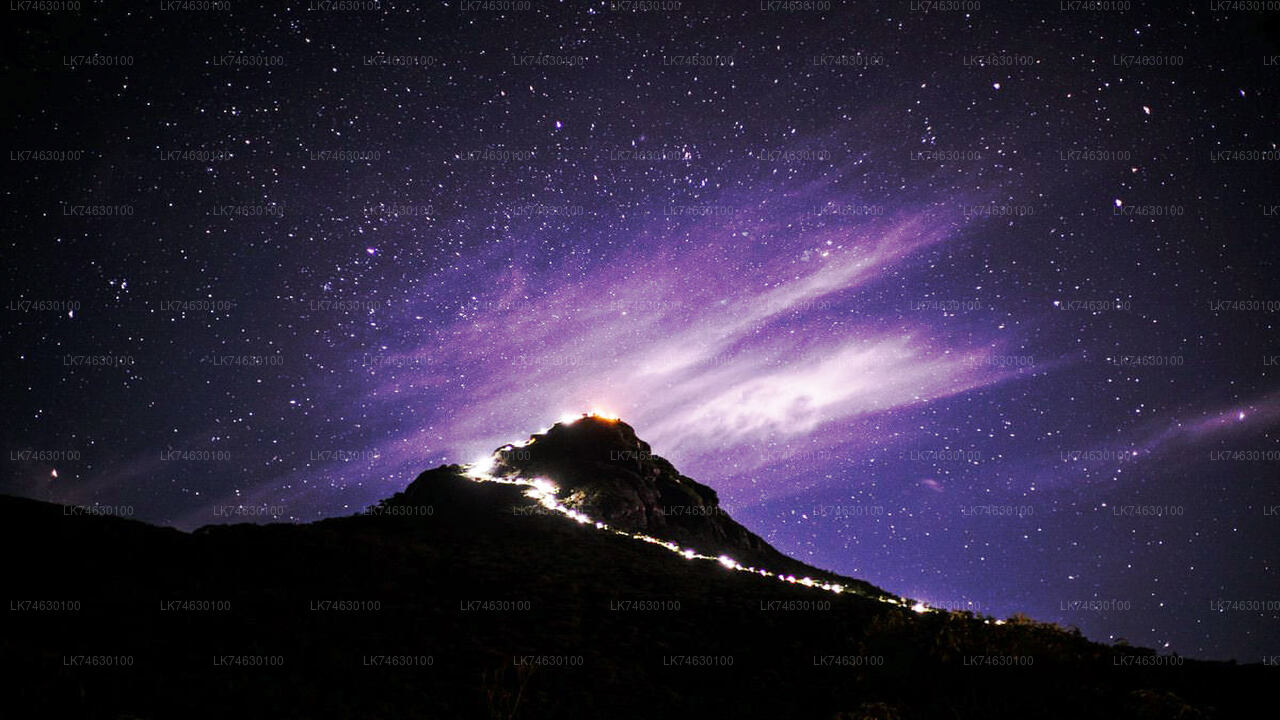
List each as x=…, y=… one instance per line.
x=546, y=493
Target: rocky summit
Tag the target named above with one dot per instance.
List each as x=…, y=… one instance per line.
x=599, y=467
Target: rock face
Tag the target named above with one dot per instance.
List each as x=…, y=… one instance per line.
x=601, y=469
x=604, y=471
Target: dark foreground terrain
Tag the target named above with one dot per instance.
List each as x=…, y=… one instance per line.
x=465, y=599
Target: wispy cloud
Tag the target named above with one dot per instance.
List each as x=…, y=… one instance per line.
x=705, y=351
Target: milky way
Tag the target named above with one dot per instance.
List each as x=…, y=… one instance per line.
x=978, y=306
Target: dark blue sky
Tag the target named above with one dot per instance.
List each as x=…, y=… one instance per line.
x=977, y=306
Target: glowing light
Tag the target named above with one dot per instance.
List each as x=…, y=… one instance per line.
x=544, y=491
x=919, y=608
x=569, y=419
x=482, y=467
x=604, y=415
x=728, y=562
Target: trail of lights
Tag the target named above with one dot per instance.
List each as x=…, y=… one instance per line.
x=546, y=494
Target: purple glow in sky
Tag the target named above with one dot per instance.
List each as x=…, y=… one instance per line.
x=993, y=335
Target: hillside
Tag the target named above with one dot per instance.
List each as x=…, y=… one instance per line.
x=467, y=595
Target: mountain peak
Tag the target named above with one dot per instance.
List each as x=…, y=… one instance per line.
x=595, y=468
x=601, y=468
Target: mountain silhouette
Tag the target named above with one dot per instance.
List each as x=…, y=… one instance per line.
x=598, y=467
x=574, y=575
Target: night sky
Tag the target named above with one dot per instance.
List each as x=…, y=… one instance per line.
x=977, y=306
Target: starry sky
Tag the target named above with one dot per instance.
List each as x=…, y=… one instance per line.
x=976, y=304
